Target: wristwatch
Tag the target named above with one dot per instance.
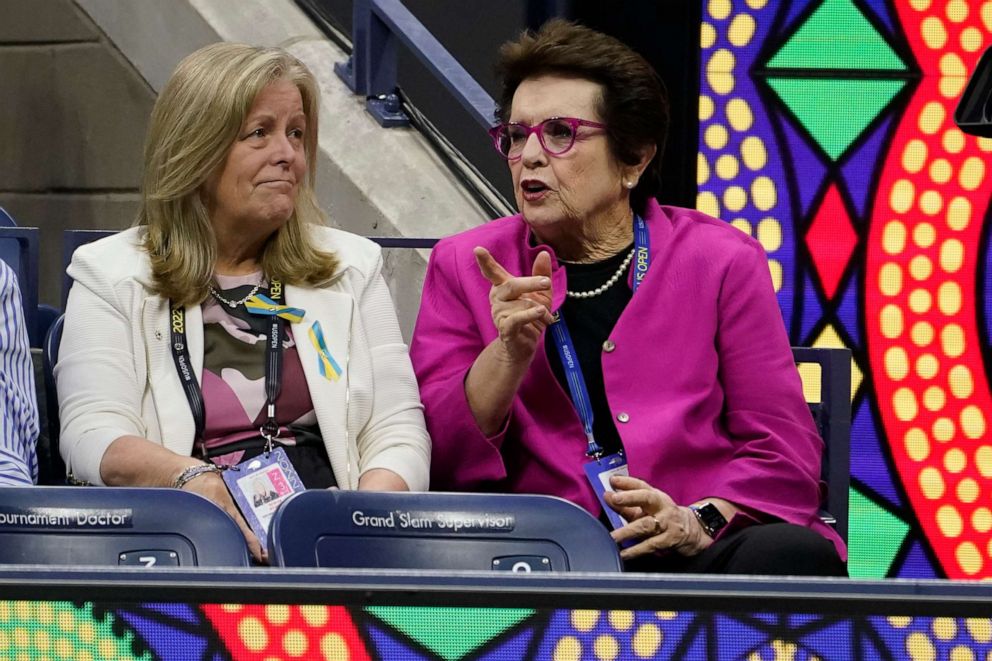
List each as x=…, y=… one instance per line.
x=709, y=518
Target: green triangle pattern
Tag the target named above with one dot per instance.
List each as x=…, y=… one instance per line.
x=835, y=112
x=450, y=632
x=873, y=539
x=837, y=36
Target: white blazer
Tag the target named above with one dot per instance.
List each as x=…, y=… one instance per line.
x=116, y=375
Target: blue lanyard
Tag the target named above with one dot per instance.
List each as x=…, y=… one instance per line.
x=642, y=256
x=566, y=349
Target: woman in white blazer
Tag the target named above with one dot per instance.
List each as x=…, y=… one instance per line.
x=169, y=369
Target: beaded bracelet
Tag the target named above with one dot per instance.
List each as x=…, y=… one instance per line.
x=192, y=472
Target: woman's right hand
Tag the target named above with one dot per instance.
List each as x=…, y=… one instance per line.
x=212, y=487
x=521, y=305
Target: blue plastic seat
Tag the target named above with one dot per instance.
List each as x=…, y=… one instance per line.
x=832, y=414
x=19, y=248
x=451, y=531
x=51, y=467
x=10, y=250
x=72, y=239
x=116, y=526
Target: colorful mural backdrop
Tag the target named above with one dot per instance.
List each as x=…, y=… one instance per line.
x=827, y=132
x=185, y=632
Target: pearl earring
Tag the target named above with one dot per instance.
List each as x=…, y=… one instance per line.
x=628, y=184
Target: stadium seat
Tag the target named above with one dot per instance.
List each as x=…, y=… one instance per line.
x=403, y=242
x=19, y=249
x=10, y=249
x=828, y=391
x=51, y=467
x=72, y=239
x=456, y=531
x=116, y=526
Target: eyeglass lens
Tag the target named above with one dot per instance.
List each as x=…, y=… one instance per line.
x=556, y=135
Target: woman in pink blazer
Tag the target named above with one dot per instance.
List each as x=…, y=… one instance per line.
x=598, y=338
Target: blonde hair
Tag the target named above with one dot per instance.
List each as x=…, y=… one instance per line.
x=194, y=123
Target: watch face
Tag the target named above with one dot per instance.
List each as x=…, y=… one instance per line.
x=711, y=518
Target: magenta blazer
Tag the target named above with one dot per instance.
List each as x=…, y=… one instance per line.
x=701, y=383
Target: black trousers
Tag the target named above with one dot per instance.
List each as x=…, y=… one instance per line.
x=777, y=549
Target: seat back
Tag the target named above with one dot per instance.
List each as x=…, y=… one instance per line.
x=51, y=468
x=116, y=526
x=19, y=250
x=403, y=242
x=10, y=250
x=457, y=531
x=828, y=392
x=72, y=239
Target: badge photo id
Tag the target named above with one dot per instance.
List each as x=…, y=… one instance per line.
x=599, y=471
x=259, y=484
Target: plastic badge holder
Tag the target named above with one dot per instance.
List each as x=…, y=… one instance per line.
x=974, y=112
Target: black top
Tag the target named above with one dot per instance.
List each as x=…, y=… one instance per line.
x=590, y=322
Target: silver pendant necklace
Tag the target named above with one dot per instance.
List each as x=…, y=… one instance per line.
x=606, y=285
x=234, y=304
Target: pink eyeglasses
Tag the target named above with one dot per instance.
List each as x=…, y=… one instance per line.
x=556, y=134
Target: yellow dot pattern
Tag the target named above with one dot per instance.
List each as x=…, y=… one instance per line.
x=60, y=630
x=315, y=616
x=920, y=267
x=940, y=171
x=287, y=632
x=333, y=646
x=277, y=613
x=252, y=633
x=944, y=628
x=584, y=620
x=919, y=647
x=568, y=648
x=295, y=643
x=618, y=634
x=920, y=297
x=621, y=620
x=646, y=641
x=606, y=647
x=730, y=172
x=979, y=629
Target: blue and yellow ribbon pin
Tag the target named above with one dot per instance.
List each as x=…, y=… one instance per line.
x=329, y=368
x=261, y=304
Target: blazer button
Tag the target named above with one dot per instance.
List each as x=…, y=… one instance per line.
x=622, y=416
x=608, y=346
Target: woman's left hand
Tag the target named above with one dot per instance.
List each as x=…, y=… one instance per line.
x=654, y=519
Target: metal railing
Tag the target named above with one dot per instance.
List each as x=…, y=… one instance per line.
x=379, y=27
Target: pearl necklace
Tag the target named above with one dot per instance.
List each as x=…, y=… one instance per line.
x=234, y=304
x=606, y=285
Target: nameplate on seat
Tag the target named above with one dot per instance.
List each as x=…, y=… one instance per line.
x=439, y=521
x=65, y=518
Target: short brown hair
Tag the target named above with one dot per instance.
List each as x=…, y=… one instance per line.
x=195, y=121
x=634, y=104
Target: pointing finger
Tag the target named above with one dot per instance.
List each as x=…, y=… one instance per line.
x=542, y=264
x=492, y=270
